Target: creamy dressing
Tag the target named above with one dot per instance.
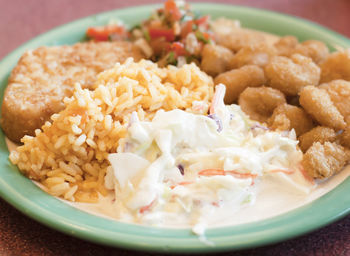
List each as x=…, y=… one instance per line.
x=270, y=201
x=189, y=170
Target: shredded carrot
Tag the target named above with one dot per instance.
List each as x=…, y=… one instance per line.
x=219, y=95
x=283, y=170
x=306, y=175
x=211, y=172
x=241, y=175
x=182, y=183
x=147, y=207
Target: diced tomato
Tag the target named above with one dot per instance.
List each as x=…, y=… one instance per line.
x=178, y=48
x=168, y=34
x=203, y=21
x=187, y=28
x=103, y=33
x=160, y=46
x=171, y=9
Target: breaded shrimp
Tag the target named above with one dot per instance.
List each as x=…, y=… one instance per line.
x=339, y=91
x=344, y=137
x=259, y=103
x=318, y=134
x=316, y=50
x=238, y=79
x=290, y=75
x=229, y=34
x=297, y=119
x=336, y=66
x=323, y=160
x=259, y=55
x=286, y=45
x=319, y=105
x=215, y=59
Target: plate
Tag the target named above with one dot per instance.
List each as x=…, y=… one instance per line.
x=29, y=199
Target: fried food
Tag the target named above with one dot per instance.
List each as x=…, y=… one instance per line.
x=237, y=80
x=336, y=66
x=286, y=45
x=344, y=137
x=43, y=77
x=215, y=59
x=229, y=34
x=323, y=160
x=339, y=91
x=316, y=50
x=287, y=117
x=319, y=105
x=259, y=55
x=290, y=75
x=318, y=134
x=259, y=103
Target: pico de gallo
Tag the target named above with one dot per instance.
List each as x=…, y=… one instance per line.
x=173, y=34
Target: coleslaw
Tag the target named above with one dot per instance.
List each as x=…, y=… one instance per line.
x=193, y=170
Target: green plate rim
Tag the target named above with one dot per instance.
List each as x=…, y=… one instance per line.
x=33, y=202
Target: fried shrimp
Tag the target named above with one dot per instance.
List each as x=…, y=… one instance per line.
x=297, y=119
x=339, y=91
x=259, y=103
x=290, y=75
x=345, y=137
x=316, y=50
x=323, y=160
x=238, y=79
x=229, y=34
x=286, y=45
x=336, y=66
x=215, y=59
x=258, y=55
x=319, y=105
x=318, y=134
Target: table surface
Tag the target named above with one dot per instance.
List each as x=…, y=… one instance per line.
x=22, y=20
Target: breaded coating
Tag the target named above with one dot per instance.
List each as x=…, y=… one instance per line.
x=316, y=50
x=43, y=77
x=339, y=91
x=290, y=75
x=336, y=66
x=319, y=105
x=237, y=80
x=229, y=34
x=344, y=137
x=239, y=39
x=286, y=45
x=259, y=103
x=318, y=134
x=323, y=160
x=259, y=55
x=215, y=59
x=223, y=26
x=297, y=118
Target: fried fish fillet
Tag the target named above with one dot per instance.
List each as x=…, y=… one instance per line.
x=43, y=77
